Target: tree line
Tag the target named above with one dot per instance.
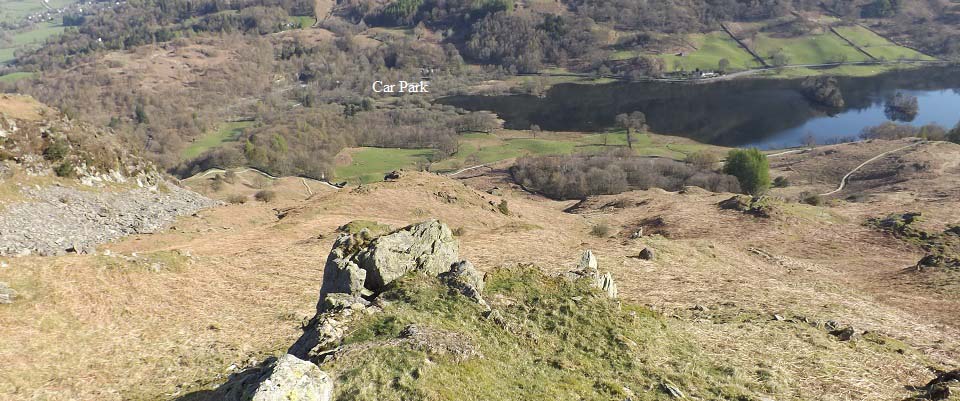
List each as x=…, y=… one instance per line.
x=579, y=176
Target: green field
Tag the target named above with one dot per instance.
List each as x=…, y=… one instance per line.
x=304, y=21
x=15, y=10
x=15, y=76
x=369, y=164
x=878, y=46
x=813, y=49
x=478, y=149
x=34, y=36
x=711, y=48
x=846, y=70
x=228, y=132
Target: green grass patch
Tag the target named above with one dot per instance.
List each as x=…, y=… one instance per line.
x=34, y=36
x=711, y=48
x=553, y=340
x=15, y=76
x=16, y=10
x=369, y=164
x=486, y=148
x=841, y=70
x=879, y=46
x=303, y=21
x=228, y=132
x=811, y=49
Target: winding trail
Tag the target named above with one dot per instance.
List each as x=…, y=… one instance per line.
x=472, y=168
x=843, y=182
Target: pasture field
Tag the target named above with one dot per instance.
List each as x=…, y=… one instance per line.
x=711, y=48
x=812, y=49
x=228, y=132
x=34, y=36
x=366, y=165
x=878, y=46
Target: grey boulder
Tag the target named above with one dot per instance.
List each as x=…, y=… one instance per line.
x=294, y=379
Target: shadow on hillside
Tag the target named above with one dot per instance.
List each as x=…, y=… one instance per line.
x=235, y=385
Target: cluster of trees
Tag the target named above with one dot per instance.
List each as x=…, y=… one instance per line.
x=309, y=98
x=823, y=91
x=523, y=41
x=141, y=22
x=580, y=176
x=305, y=142
x=891, y=130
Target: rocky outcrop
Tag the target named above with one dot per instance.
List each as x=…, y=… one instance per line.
x=762, y=206
x=294, y=379
x=464, y=278
x=56, y=220
x=588, y=268
x=359, y=265
x=288, y=378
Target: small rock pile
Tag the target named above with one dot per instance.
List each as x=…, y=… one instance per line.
x=589, y=269
x=762, y=206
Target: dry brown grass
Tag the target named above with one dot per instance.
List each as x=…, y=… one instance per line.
x=89, y=331
x=21, y=107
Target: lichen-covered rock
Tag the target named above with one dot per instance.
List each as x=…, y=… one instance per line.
x=362, y=265
x=428, y=247
x=286, y=379
x=464, y=278
x=588, y=269
x=588, y=261
x=294, y=379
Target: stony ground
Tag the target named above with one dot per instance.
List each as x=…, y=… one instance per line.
x=165, y=314
x=55, y=220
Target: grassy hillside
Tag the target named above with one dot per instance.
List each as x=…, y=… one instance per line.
x=552, y=340
x=878, y=46
x=228, y=132
x=481, y=148
x=369, y=164
x=811, y=49
x=710, y=49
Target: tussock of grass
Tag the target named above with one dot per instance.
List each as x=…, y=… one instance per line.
x=356, y=226
x=554, y=340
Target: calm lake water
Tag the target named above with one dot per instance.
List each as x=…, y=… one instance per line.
x=766, y=113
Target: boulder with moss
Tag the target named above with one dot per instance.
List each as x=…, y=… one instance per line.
x=361, y=263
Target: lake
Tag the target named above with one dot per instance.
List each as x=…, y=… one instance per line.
x=766, y=113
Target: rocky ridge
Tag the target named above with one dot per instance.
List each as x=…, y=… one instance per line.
x=358, y=269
